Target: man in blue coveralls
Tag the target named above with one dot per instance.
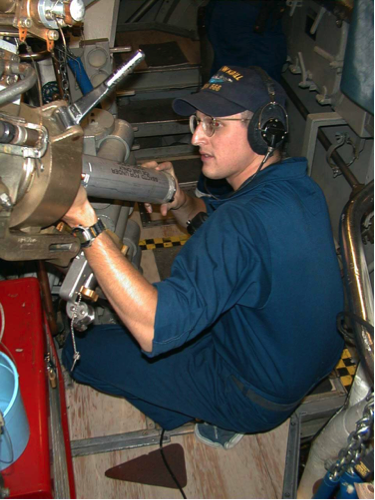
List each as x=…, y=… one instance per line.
x=245, y=326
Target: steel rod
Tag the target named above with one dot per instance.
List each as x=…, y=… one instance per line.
x=356, y=272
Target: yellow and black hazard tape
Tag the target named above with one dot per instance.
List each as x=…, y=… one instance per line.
x=346, y=369
x=172, y=241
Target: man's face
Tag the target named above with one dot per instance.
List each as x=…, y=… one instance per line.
x=227, y=154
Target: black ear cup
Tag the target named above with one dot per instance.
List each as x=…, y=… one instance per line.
x=267, y=128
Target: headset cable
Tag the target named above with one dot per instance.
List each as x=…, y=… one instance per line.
x=167, y=465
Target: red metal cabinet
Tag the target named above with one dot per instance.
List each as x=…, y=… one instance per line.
x=27, y=337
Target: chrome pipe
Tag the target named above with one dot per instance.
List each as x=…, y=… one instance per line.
x=357, y=277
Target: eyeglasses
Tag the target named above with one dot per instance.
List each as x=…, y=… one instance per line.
x=209, y=124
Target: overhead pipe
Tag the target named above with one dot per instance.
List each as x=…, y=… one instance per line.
x=326, y=143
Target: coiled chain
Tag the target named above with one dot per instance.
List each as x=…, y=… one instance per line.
x=352, y=454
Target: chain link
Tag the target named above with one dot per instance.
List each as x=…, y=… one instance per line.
x=62, y=58
x=352, y=454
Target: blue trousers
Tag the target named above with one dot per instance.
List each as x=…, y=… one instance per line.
x=172, y=389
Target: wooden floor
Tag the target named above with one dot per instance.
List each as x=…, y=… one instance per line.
x=253, y=469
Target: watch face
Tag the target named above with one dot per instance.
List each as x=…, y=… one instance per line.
x=83, y=235
x=86, y=235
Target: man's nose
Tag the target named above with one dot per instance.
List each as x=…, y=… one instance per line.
x=199, y=137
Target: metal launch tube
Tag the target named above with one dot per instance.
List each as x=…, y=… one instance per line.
x=104, y=178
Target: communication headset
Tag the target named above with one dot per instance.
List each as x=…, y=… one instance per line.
x=269, y=125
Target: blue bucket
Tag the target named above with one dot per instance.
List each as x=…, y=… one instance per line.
x=15, y=433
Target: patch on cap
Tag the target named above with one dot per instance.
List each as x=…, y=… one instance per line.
x=230, y=91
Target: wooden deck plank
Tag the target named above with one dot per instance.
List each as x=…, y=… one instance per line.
x=243, y=472
x=93, y=414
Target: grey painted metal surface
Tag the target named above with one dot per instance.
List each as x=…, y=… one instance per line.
x=313, y=122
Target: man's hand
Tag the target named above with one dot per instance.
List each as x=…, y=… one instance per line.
x=179, y=197
x=81, y=212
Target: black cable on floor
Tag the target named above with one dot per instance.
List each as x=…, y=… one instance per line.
x=167, y=466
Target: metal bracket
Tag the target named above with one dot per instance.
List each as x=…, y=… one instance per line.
x=116, y=442
x=292, y=457
x=58, y=248
x=313, y=122
x=318, y=18
x=293, y=4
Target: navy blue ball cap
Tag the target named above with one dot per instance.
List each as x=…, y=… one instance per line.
x=231, y=90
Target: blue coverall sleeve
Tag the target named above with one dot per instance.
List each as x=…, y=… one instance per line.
x=219, y=267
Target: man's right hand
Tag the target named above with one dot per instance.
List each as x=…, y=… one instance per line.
x=179, y=197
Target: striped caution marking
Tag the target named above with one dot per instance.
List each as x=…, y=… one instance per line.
x=172, y=241
x=346, y=369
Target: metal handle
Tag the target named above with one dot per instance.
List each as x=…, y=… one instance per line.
x=73, y=114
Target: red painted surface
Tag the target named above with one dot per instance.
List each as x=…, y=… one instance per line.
x=25, y=338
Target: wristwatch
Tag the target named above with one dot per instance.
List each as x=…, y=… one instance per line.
x=87, y=235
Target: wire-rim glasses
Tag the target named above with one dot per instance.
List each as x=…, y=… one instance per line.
x=209, y=124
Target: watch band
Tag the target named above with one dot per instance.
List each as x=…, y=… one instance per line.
x=87, y=235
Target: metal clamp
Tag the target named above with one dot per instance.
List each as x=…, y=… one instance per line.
x=293, y=4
